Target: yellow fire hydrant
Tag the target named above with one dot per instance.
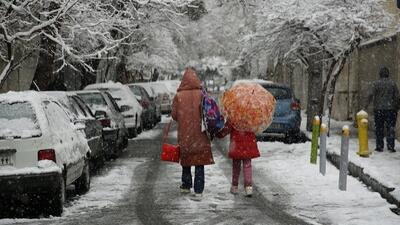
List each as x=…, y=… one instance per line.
x=362, y=123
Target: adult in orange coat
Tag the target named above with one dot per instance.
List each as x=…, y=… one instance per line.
x=195, y=146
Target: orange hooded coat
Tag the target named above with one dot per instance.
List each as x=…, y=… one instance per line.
x=195, y=147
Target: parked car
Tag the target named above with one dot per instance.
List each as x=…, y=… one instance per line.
x=155, y=100
x=287, y=117
x=80, y=113
x=41, y=152
x=149, y=108
x=127, y=102
x=164, y=94
x=106, y=110
x=172, y=85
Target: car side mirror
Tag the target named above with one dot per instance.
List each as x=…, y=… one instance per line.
x=117, y=99
x=100, y=114
x=79, y=126
x=79, y=121
x=125, y=108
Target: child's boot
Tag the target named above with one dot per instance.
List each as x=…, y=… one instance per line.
x=248, y=191
x=234, y=190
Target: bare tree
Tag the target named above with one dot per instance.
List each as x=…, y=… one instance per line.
x=314, y=33
x=81, y=30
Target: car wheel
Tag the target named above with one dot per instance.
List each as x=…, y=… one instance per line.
x=155, y=121
x=82, y=185
x=56, y=202
x=132, y=132
x=101, y=159
x=107, y=150
x=292, y=137
x=98, y=163
x=140, y=128
x=125, y=143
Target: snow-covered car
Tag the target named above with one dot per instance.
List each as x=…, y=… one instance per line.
x=81, y=114
x=154, y=98
x=164, y=94
x=287, y=118
x=126, y=100
x=41, y=152
x=172, y=85
x=149, y=108
x=106, y=110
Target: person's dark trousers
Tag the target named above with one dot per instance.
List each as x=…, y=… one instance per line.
x=198, y=178
x=385, y=118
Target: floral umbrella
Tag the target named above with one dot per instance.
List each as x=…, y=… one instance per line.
x=249, y=107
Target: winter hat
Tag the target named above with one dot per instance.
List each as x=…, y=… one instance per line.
x=384, y=72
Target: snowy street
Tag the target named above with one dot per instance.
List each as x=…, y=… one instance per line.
x=138, y=188
x=286, y=112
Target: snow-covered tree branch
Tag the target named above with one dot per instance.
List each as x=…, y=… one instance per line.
x=80, y=29
x=315, y=32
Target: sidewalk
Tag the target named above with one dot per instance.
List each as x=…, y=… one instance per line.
x=283, y=174
x=380, y=171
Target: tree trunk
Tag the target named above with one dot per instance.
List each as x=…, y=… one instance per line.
x=314, y=90
x=44, y=71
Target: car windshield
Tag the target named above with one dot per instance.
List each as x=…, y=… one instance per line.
x=135, y=90
x=117, y=94
x=18, y=120
x=279, y=92
x=92, y=99
x=160, y=88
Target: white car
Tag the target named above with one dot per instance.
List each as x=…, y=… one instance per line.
x=41, y=152
x=164, y=94
x=172, y=85
x=153, y=97
x=126, y=100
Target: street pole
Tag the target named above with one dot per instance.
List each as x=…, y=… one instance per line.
x=322, y=149
x=344, y=158
x=314, y=141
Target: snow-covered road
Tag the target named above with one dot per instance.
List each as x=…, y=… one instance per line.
x=140, y=189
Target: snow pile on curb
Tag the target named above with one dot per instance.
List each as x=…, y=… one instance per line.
x=315, y=197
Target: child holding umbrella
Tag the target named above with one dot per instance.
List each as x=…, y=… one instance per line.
x=242, y=148
x=248, y=108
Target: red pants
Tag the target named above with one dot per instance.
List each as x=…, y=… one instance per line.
x=247, y=173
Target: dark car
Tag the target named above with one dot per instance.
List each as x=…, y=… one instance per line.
x=107, y=111
x=149, y=108
x=154, y=99
x=81, y=114
x=287, y=116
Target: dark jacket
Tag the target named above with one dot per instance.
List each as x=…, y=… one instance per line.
x=384, y=94
x=195, y=147
x=243, y=145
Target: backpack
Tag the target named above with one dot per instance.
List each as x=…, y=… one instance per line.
x=212, y=118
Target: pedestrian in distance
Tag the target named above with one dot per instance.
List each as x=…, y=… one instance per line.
x=242, y=148
x=385, y=97
x=195, y=146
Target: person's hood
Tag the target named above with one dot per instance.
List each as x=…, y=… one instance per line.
x=189, y=81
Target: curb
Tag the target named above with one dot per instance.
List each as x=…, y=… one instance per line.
x=358, y=172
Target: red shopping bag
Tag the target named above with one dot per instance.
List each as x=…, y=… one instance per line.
x=169, y=152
